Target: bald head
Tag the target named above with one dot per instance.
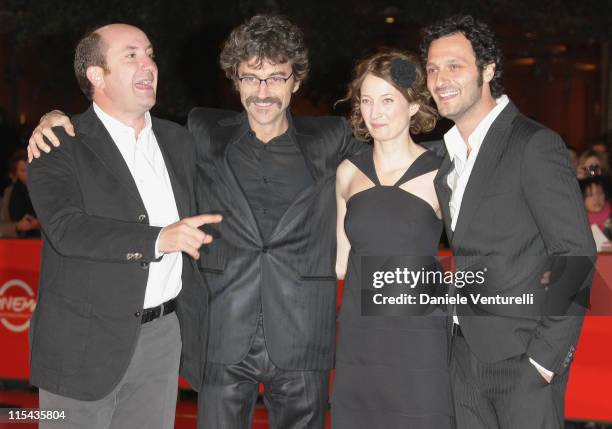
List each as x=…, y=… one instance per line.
x=115, y=68
x=112, y=30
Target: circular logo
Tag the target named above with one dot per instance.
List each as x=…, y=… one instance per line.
x=17, y=302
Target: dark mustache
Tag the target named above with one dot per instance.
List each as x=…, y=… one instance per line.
x=255, y=99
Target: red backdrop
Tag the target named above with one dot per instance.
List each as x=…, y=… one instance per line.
x=590, y=386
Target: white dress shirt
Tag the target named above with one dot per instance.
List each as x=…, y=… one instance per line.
x=146, y=163
x=463, y=164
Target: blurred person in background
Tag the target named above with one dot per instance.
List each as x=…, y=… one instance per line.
x=590, y=163
x=601, y=147
x=597, y=205
x=18, y=216
x=9, y=144
x=8, y=228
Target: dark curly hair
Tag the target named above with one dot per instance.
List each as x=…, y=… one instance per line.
x=603, y=181
x=90, y=51
x=483, y=42
x=379, y=65
x=270, y=38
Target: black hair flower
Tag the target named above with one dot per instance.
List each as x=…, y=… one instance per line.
x=403, y=72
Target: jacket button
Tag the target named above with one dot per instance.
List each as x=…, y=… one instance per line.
x=142, y=218
x=264, y=249
x=144, y=265
x=137, y=314
x=133, y=256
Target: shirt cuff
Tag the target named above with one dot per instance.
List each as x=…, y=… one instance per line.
x=541, y=368
x=158, y=254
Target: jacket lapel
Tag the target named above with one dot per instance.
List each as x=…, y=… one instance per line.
x=316, y=166
x=173, y=160
x=444, y=193
x=227, y=133
x=100, y=142
x=311, y=152
x=492, y=147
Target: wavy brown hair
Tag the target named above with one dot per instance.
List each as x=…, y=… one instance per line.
x=379, y=65
x=270, y=38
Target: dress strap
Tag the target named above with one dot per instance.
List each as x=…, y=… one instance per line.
x=426, y=162
x=364, y=161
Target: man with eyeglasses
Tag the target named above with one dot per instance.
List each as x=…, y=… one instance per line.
x=271, y=269
x=272, y=279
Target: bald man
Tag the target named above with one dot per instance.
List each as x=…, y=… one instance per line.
x=120, y=294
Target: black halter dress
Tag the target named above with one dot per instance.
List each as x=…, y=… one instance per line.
x=391, y=372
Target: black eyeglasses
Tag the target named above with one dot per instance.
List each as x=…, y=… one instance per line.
x=271, y=82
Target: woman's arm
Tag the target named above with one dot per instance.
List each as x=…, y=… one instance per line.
x=343, y=245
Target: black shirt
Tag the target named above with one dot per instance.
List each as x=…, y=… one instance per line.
x=271, y=174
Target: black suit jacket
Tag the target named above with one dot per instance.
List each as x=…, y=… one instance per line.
x=521, y=203
x=97, y=247
x=291, y=275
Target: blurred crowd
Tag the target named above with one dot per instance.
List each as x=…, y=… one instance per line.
x=592, y=170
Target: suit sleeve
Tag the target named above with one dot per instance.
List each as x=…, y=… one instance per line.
x=554, y=199
x=350, y=145
x=198, y=124
x=190, y=169
x=56, y=196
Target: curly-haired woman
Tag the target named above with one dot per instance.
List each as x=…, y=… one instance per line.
x=391, y=372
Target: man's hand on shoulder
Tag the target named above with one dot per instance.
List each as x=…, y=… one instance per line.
x=55, y=118
x=186, y=236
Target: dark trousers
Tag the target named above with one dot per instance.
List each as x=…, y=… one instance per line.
x=295, y=399
x=509, y=394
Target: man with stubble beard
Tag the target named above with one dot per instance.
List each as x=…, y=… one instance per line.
x=507, y=192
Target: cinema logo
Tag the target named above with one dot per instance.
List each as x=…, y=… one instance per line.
x=17, y=302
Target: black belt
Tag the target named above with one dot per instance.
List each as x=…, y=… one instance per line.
x=153, y=313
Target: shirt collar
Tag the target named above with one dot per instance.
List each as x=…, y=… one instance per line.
x=454, y=141
x=116, y=127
